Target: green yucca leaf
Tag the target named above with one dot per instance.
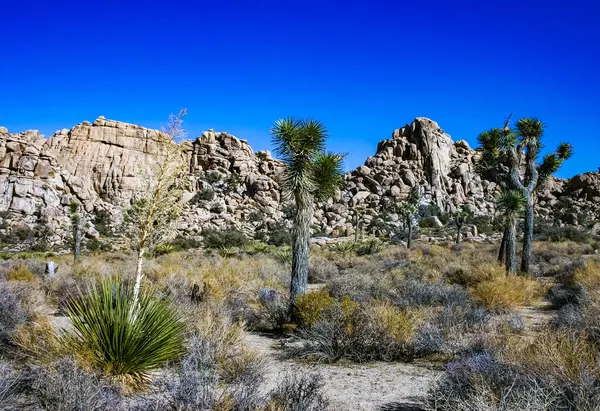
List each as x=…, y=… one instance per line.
x=126, y=344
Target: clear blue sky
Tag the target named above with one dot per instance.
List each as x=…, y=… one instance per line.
x=363, y=68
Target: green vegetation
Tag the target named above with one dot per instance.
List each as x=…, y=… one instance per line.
x=124, y=340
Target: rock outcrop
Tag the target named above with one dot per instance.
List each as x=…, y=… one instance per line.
x=101, y=165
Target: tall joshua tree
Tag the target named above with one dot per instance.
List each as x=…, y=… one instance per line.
x=510, y=158
x=511, y=204
x=310, y=175
x=157, y=205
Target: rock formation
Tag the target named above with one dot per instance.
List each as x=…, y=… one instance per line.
x=100, y=164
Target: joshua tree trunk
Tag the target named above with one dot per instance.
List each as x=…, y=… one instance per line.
x=356, y=225
x=459, y=233
x=511, y=245
x=300, y=238
x=138, y=278
x=527, y=234
x=77, y=240
x=410, y=228
x=502, y=251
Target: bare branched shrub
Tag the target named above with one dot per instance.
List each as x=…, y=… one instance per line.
x=10, y=382
x=62, y=386
x=12, y=312
x=298, y=391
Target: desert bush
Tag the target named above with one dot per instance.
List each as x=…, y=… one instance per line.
x=62, y=386
x=39, y=341
x=557, y=371
x=321, y=270
x=384, y=332
x=124, y=341
x=206, y=194
x=11, y=380
x=545, y=232
x=413, y=293
x=576, y=284
x=256, y=247
x=344, y=329
x=12, y=312
x=20, y=273
x=367, y=247
x=278, y=235
x=182, y=243
x=506, y=292
x=310, y=306
x=272, y=311
x=298, y=391
x=471, y=275
x=229, y=237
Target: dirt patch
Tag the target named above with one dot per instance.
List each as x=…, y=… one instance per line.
x=373, y=386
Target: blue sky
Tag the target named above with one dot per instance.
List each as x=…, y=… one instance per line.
x=363, y=68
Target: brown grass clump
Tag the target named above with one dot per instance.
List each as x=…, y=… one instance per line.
x=588, y=275
x=20, y=273
x=391, y=322
x=502, y=293
x=39, y=341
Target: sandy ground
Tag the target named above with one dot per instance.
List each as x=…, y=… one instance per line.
x=374, y=386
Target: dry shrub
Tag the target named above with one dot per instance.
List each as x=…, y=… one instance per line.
x=562, y=355
x=470, y=275
x=39, y=342
x=310, y=306
x=321, y=269
x=555, y=372
x=20, y=272
x=588, y=275
x=343, y=328
x=502, y=293
x=397, y=325
x=19, y=303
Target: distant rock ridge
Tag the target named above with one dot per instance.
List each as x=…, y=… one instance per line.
x=99, y=164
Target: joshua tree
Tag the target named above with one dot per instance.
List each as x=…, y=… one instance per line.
x=76, y=226
x=505, y=153
x=310, y=175
x=407, y=210
x=510, y=203
x=157, y=205
x=460, y=218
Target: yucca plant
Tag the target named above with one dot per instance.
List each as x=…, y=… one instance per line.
x=125, y=346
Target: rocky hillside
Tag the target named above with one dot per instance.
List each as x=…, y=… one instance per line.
x=100, y=164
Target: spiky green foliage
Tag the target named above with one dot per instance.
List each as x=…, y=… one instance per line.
x=552, y=162
x=125, y=346
x=510, y=203
x=300, y=144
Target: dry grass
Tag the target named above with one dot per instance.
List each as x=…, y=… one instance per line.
x=393, y=323
x=20, y=273
x=588, y=275
x=506, y=292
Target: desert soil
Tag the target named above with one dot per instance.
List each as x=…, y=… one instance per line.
x=373, y=386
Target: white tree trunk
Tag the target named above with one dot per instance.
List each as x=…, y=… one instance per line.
x=138, y=279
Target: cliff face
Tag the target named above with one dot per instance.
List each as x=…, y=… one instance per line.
x=101, y=165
